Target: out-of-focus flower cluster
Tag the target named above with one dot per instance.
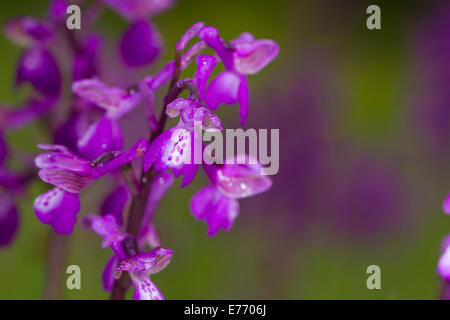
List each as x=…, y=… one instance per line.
x=88, y=141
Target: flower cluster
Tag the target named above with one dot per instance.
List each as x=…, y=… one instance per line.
x=88, y=140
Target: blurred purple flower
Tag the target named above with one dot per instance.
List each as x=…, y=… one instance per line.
x=136, y=9
x=216, y=204
x=141, y=266
x=9, y=219
x=140, y=44
x=242, y=56
x=38, y=67
x=27, y=31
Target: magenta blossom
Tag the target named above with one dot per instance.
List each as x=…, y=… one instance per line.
x=443, y=267
x=27, y=31
x=217, y=203
x=105, y=134
x=174, y=148
x=141, y=266
x=245, y=55
x=70, y=174
x=135, y=9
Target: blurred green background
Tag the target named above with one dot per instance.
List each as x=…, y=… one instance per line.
x=360, y=83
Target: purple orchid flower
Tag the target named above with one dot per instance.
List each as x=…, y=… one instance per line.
x=108, y=228
x=141, y=43
x=446, y=204
x=174, y=148
x=27, y=31
x=136, y=9
x=242, y=56
x=217, y=203
x=141, y=266
x=105, y=134
x=9, y=219
x=85, y=62
x=70, y=174
x=443, y=267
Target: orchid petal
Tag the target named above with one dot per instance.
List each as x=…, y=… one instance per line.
x=152, y=261
x=205, y=65
x=144, y=288
x=102, y=136
x=116, y=101
x=135, y=9
x=217, y=210
x=9, y=219
x=115, y=202
x=251, y=56
x=58, y=208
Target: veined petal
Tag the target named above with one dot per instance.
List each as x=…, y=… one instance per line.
x=144, y=288
x=251, y=56
x=217, y=210
x=116, y=101
x=102, y=136
x=152, y=261
x=141, y=44
x=58, y=208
